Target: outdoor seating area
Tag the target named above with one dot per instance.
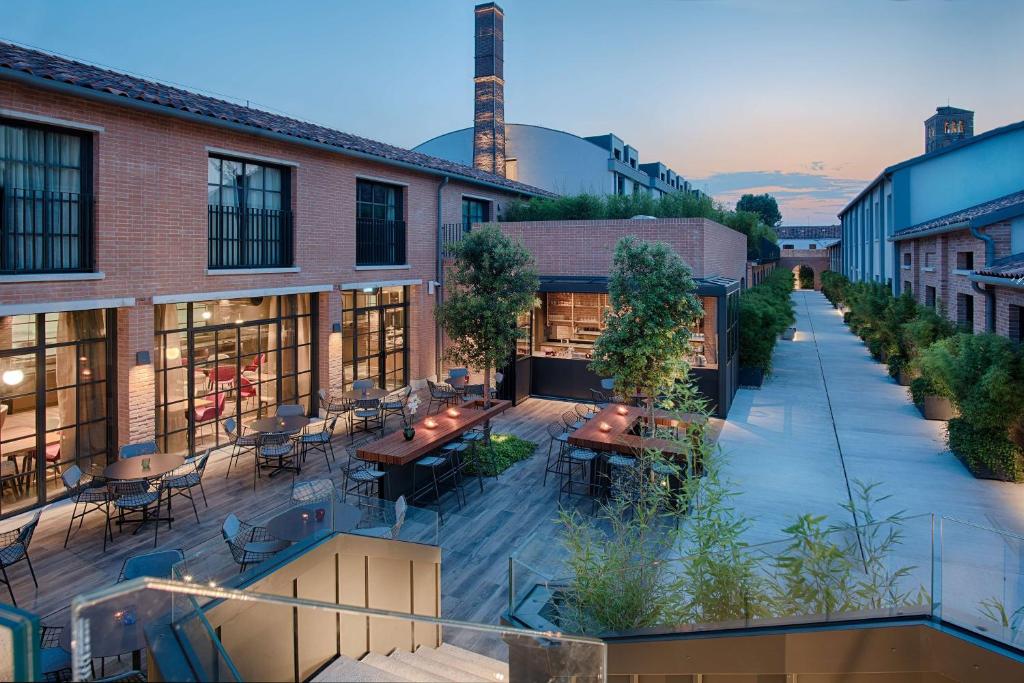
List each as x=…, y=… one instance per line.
x=228, y=526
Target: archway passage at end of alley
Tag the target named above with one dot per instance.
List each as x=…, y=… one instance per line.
x=815, y=259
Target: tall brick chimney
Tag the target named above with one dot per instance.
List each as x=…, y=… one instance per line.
x=489, y=91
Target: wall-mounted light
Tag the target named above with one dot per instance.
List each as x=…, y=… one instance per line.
x=336, y=327
x=206, y=315
x=142, y=358
x=13, y=377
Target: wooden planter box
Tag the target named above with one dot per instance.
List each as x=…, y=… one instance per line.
x=939, y=408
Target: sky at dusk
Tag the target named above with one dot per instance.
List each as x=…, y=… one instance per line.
x=806, y=100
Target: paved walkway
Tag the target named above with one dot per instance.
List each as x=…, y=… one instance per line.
x=829, y=415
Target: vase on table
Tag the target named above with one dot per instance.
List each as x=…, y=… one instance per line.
x=408, y=433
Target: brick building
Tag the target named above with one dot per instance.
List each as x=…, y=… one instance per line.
x=967, y=264
x=573, y=260
x=169, y=260
x=814, y=246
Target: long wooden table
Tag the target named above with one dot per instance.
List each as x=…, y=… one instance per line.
x=610, y=431
x=396, y=455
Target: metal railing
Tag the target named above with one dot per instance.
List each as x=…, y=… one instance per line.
x=380, y=242
x=249, y=238
x=452, y=233
x=43, y=231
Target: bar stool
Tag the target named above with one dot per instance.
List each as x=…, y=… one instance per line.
x=441, y=468
x=559, y=435
x=475, y=438
x=576, y=460
x=621, y=469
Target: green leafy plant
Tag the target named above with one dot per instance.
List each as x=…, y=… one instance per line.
x=766, y=310
x=834, y=286
x=652, y=300
x=490, y=283
x=995, y=610
x=500, y=453
x=805, y=275
x=673, y=205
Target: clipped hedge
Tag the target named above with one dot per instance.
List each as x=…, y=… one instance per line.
x=987, y=453
x=765, y=312
x=834, y=286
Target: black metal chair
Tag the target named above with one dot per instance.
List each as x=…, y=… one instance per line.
x=559, y=434
x=290, y=410
x=86, y=492
x=276, y=451
x=181, y=480
x=158, y=565
x=361, y=477
x=394, y=404
x=441, y=394
x=332, y=406
x=319, y=441
x=575, y=461
x=134, y=450
x=14, y=548
x=240, y=442
x=249, y=544
x=572, y=420
x=441, y=468
x=366, y=410
x=136, y=496
x=54, y=660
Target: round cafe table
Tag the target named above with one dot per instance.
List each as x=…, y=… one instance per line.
x=135, y=468
x=289, y=424
x=291, y=526
x=360, y=394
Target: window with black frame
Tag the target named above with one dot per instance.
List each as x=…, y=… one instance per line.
x=474, y=211
x=380, y=224
x=374, y=334
x=46, y=208
x=231, y=358
x=250, y=218
x=55, y=401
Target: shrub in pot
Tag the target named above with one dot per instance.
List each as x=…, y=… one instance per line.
x=987, y=453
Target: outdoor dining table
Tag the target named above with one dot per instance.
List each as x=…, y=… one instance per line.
x=287, y=424
x=397, y=455
x=116, y=626
x=142, y=467
x=301, y=522
x=364, y=394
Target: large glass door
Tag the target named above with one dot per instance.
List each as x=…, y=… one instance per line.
x=374, y=336
x=55, y=398
x=233, y=358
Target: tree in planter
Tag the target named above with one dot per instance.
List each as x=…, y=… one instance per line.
x=652, y=305
x=900, y=311
x=490, y=282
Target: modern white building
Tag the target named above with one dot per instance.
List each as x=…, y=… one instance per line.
x=564, y=163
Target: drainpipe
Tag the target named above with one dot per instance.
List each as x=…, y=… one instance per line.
x=988, y=292
x=439, y=277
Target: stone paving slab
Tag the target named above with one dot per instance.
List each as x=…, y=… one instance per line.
x=830, y=414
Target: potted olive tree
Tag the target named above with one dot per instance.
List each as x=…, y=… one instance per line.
x=490, y=282
x=651, y=294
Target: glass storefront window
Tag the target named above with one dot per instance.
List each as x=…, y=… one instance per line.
x=374, y=333
x=232, y=358
x=55, y=403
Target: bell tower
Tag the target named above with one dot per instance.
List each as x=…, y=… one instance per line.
x=489, y=90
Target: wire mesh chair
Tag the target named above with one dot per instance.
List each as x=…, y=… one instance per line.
x=275, y=451
x=86, y=492
x=138, y=496
x=319, y=441
x=240, y=442
x=182, y=479
x=249, y=544
x=362, y=477
x=559, y=434
x=14, y=549
x=394, y=404
x=572, y=420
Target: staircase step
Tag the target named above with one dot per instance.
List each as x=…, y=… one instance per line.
x=402, y=671
x=437, y=668
x=470, y=670
x=492, y=664
x=347, y=669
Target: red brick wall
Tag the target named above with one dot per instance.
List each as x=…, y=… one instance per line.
x=587, y=247
x=943, y=275
x=816, y=259
x=1005, y=297
x=151, y=230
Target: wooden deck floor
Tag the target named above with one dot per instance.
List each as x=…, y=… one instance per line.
x=477, y=539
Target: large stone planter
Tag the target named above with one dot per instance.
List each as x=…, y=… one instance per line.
x=788, y=334
x=939, y=408
x=905, y=377
x=883, y=356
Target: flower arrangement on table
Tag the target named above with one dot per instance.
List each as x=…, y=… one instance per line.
x=410, y=410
